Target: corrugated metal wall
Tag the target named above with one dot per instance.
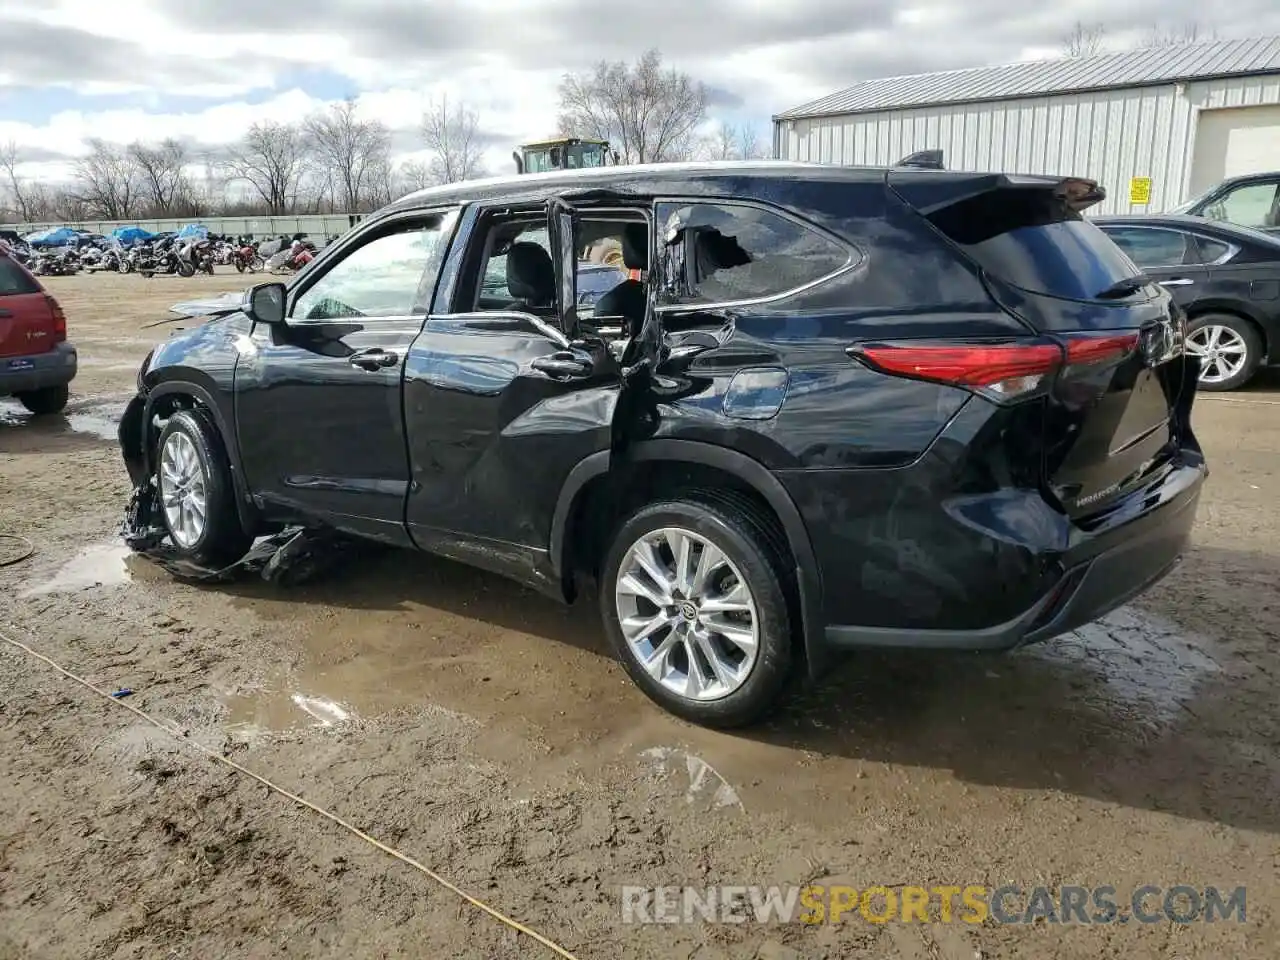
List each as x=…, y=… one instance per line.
x=1109, y=136
x=316, y=226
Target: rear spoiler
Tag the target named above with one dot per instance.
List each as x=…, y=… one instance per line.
x=931, y=195
x=923, y=160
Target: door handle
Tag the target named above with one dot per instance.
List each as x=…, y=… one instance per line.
x=1177, y=282
x=562, y=365
x=6, y=313
x=375, y=358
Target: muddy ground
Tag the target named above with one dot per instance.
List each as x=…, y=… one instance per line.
x=483, y=731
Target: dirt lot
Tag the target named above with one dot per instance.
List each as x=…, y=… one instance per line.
x=483, y=731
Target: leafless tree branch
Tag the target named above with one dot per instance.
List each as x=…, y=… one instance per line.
x=350, y=151
x=1085, y=40
x=648, y=113
x=271, y=158
x=452, y=135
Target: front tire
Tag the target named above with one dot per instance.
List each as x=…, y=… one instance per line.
x=196, y=492
x=1229, y=349
x=186, y=269
x=693, y=600
x=47, y=401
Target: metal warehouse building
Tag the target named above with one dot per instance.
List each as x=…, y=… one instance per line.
x=1154, y=127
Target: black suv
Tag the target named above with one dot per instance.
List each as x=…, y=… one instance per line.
x=828, y=408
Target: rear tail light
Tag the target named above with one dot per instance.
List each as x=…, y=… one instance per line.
x=1003, y=371
x=1012, y=370
x=59, y=319
x=1085, y=349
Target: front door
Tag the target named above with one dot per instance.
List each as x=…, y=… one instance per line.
x=500, y=405
x=318, y=399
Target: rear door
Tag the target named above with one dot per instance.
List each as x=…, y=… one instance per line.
x=500, y=405
x=26, y=316
x=1113, y=415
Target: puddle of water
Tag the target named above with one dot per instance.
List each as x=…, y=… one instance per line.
x=100, y=420
x=704, y=784
x=278, y=707
x=101, y=565
x=98, y=425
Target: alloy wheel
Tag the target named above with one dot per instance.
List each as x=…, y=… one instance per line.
x=687, y=614
x=184, y=489
x=1222, y=352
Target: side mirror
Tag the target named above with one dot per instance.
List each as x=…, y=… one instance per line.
x=265, y=303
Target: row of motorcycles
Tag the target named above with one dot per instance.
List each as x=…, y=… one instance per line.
x=181, y=256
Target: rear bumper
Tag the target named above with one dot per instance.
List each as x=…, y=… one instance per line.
x=1099, y=573
x=54, y=368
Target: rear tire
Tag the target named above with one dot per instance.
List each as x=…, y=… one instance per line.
x=193, y=476
x=47, y=401
x=703, y=620
x=1221, y=337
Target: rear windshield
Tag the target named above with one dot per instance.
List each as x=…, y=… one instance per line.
x=1028, y=239
x=15, y=280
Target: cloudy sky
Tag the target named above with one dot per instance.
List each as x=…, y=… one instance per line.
x=203, y=70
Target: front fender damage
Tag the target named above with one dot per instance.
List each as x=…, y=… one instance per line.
x=293, y=555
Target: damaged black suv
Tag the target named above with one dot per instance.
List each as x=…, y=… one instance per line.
x=825, y=408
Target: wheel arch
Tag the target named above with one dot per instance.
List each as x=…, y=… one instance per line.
x=595, y=469
x=166, y=396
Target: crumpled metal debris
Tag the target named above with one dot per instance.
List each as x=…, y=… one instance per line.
x=292, y=556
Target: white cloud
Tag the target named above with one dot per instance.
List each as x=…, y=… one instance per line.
x=503, y=57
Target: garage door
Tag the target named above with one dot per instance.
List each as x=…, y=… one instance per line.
x=1235, y=141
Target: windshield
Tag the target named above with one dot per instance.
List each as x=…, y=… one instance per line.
x=586, y=155
x=1188, y=204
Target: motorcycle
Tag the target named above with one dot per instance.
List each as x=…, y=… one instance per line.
x=194, y=256
x=246, y=258
x=224, y=253
x=292, y=258
x=159, y=257
x=100, y=259
x=63, y=263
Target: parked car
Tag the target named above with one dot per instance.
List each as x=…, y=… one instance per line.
x=1226, y=278
x=1252, y=200
x=846, y=408
x=36, y=362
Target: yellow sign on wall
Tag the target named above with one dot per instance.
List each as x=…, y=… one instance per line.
x=1140, y=190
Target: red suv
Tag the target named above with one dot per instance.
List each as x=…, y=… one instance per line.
x=36, y=362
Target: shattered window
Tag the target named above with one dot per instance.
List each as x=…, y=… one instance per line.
x=731, y=252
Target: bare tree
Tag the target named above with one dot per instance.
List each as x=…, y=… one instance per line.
x=647, y=112
x=414, y=175
x=349, y=150
x=730, y=142
x=1176, y=34
x=108, y=181
x=271, y=158
x=1085, y=40
x=452, y=134
x=18, y=187
x=380, y=184
x=162, y=168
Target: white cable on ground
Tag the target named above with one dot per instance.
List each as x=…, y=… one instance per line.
x=213, y=754
x=27, y=549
